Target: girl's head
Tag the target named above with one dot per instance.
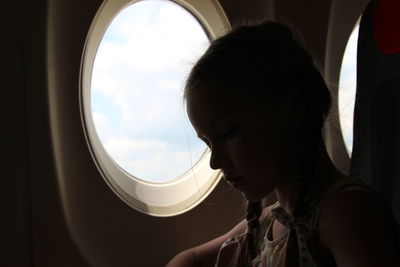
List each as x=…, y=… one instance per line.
x=258, y=101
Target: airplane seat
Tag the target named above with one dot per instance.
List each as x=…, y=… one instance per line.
x=376, y=143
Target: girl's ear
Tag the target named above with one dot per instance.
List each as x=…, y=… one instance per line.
x=296, y=111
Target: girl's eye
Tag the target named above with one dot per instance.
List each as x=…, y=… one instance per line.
x=227, y=135
x=223, y=137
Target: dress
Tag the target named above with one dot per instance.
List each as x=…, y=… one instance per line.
x=299, y=245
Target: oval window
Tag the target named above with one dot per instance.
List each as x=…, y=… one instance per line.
x=347, y=88
x=136, y=58
x=137, y=82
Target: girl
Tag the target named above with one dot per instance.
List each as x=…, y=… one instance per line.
x=258, y=101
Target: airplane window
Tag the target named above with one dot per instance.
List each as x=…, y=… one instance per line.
x=136, y=57
x=136, y=89
x=347, y=88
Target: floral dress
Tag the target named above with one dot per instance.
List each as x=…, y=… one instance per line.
x=298, y=246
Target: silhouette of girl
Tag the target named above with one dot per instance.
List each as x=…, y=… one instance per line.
x=258, y=101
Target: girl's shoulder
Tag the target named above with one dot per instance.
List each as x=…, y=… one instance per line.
x=342, y=186
x=266, y=214
x=356, y=218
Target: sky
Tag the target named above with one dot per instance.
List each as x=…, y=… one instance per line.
x=347, y=88
x=137, y=84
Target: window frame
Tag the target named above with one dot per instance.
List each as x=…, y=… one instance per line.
x=158, y=199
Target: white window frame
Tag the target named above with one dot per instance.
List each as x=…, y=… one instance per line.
x=157, y=199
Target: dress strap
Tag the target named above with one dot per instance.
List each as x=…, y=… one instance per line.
x=300, y=231
x=301, y=225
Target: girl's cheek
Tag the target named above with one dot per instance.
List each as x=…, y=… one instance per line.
x=246, y=152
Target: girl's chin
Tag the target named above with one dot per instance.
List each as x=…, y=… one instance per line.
x=252, y=197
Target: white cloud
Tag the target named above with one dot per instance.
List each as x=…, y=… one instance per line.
x=101, y=123
x=170, y=41
x=140, y=68
x=149, y=159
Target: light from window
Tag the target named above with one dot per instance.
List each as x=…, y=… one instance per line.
x=347, y=89
x=137, y=80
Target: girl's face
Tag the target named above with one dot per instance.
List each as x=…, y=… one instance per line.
x=244, y=140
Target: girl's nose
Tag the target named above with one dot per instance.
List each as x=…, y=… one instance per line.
x=217, y=159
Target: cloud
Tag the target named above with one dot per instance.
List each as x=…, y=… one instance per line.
x=137, y=82
x=150, y=159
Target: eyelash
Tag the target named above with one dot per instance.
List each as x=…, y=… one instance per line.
x=225, y=136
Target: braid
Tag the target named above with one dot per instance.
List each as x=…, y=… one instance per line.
x=317, y=103
x=250, y=243
x=306, y=173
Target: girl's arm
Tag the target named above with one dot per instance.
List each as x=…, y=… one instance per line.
x=356, y=226
x=204, y=254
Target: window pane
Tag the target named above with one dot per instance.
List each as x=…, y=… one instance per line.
x=137, y=81
x=347, y=89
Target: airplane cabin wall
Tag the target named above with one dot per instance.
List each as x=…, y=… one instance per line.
x=33, y=230
x=15, y=211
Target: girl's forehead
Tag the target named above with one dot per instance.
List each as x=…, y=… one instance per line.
x=204, y=110
x=210, y=105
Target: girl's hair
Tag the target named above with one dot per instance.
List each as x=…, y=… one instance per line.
x=267, y=61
